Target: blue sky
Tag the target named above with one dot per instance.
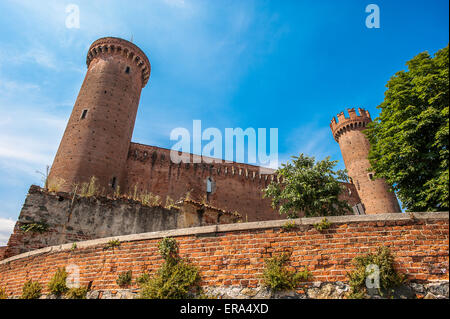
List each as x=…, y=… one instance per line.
x=285, y=64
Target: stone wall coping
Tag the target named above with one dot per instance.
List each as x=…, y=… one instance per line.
x=202, y=230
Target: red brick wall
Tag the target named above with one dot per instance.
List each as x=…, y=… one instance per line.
x=374, y=193
x=234, y=254
x=237, y=187
x=98, y=144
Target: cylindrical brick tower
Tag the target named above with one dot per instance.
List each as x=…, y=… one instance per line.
x=98, y=135
x=374, y=193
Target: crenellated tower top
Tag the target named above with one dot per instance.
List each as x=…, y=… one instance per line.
x=344, y=124
x=111, y=45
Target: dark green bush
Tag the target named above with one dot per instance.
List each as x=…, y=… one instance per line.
x=176, y=279
x=31, y=290
x=389, y=278
x=57, y=284
x=124, y=278
x=77, y=293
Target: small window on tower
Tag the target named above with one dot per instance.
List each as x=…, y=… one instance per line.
x=127, y=70
x=113, y=183
x=209, y=185
x=84, y=114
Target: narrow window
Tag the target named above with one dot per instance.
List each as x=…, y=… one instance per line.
x=113, y=183
x=370, y=176
x=208, y=185
x=84, y=114
x=127, y=70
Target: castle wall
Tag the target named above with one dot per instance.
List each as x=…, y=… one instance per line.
x=72, y=219
x=232, y=256
x=236, y=186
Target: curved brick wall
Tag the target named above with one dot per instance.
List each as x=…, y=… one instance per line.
x=374, y=193
x=232, y=255
x=98, y=134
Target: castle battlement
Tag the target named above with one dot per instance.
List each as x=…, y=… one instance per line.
x=117, y=46
x=354, y=121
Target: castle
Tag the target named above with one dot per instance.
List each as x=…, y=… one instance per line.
x=97, y=142
x=63, y=229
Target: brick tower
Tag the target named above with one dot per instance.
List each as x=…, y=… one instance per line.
x=98, y=135
x=374, y=193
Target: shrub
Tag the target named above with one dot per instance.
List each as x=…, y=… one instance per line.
x=143, y=279
x=389, y=278
x=31, y=290
x=124, y=278
x=3, y=294
x=277, y=277
x=57, y=284
x=324, y=224
x=77, y=293
x=176, y=278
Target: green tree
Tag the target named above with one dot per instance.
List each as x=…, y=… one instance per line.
x=409, y=140
x=309, y=187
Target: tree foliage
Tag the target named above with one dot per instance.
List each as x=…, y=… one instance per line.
x=309, y=187
x=409, y=140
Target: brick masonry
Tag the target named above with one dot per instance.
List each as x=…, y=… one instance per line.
x=73, y=218
x=233, y=255
x=375, y=194
x=97, y=142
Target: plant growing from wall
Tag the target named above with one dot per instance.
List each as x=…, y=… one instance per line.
x=168, y=248
x=31, y=290
x=77, y=293
x=170, y=203
x=112, y=243
x=3, y=294
x=57, y=284
x=277, y=277
x=38, y=227
x=324, y=224
x=74, y=247
x=124, y=278
x=289, y=225
x=176, y=279
x=89, y=189
x=308, y=186
x=388, y=276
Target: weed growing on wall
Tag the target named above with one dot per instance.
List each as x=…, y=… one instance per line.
x=176, y=279
x=57, y=284
x=388, y=277
x=112, y=243
x=124, y=278
x=289, y=225
x=77, y=293
x=31, y=290
x=277, y=277
x=324, y=224
x=39, y=227
x=3, y=294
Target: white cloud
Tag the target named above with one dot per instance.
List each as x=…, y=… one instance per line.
x=6, y=229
